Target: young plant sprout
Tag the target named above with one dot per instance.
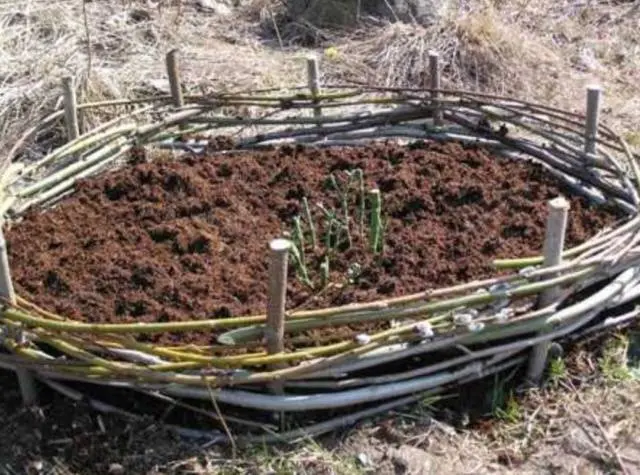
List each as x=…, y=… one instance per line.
x=318, y=241
x=375, y=226
x=362, y=199
x=324, y=271
x=300, y=266
x=298, y=236
x=310, y=223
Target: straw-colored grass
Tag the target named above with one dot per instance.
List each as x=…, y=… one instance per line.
x=543, y=50
x=43, y=41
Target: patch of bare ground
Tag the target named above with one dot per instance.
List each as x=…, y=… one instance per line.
x=585, y=420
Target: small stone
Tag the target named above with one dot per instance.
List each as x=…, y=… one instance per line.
x=116, y=469
x=503, y=315
x=424, y=329
x=363, y=339
x=37, y=465
x=462, y=318
x=475, y=326
x=363, y=459
x=408, y=459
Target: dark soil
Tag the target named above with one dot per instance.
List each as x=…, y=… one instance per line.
x=173, y=241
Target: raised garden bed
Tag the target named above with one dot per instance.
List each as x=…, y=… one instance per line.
x=181, y=240
x=150, y=277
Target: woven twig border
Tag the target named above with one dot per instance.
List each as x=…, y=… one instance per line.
x=351, y=116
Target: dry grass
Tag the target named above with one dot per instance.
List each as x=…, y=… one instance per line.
x=43, y=41
x=543, y=50
x=479, y=51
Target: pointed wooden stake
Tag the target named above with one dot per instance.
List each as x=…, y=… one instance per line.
x=553, y=246
x=594, y=94
x=25, y=378
x=70, y=108
x=434, y=77
x=279, y=259
x=313, y=79
x=173, y=70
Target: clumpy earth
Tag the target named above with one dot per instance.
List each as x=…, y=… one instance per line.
x=178, y=240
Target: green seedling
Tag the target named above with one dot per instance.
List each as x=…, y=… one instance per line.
x=332, y=234
x=310, y=223
x=375, y=226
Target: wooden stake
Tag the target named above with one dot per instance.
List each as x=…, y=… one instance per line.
x=313, y=78
x=279, y=260
x=594, y=93
x=434, y=77
x=25, y=378
x=70, y=108
x=173, y=71
x=553, y=246
x=276, y=304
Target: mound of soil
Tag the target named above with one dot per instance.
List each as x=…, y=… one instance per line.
x=170, y=241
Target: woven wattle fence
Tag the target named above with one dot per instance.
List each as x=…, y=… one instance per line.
x=491, y=324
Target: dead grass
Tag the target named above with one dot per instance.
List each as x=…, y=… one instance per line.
x=479, y=50
x=543, y=50
x=43, y=41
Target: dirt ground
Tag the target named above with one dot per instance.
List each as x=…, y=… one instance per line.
x=585, y=422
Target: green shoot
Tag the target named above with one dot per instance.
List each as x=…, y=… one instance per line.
x=309, y=218
x=375, y=226
x=359, y=176
x=383, y=233
x=332, y=231
x=557, y=370
x=345, y=212
x=301, y=266
x=298, y=236
x=330, y=215
x=324, y=269
x=613, y=363
x=512, y=412
x=328, y=242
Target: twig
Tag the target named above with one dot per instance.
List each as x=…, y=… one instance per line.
x=232, y=440
x=276, y=29
x=87, y=33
